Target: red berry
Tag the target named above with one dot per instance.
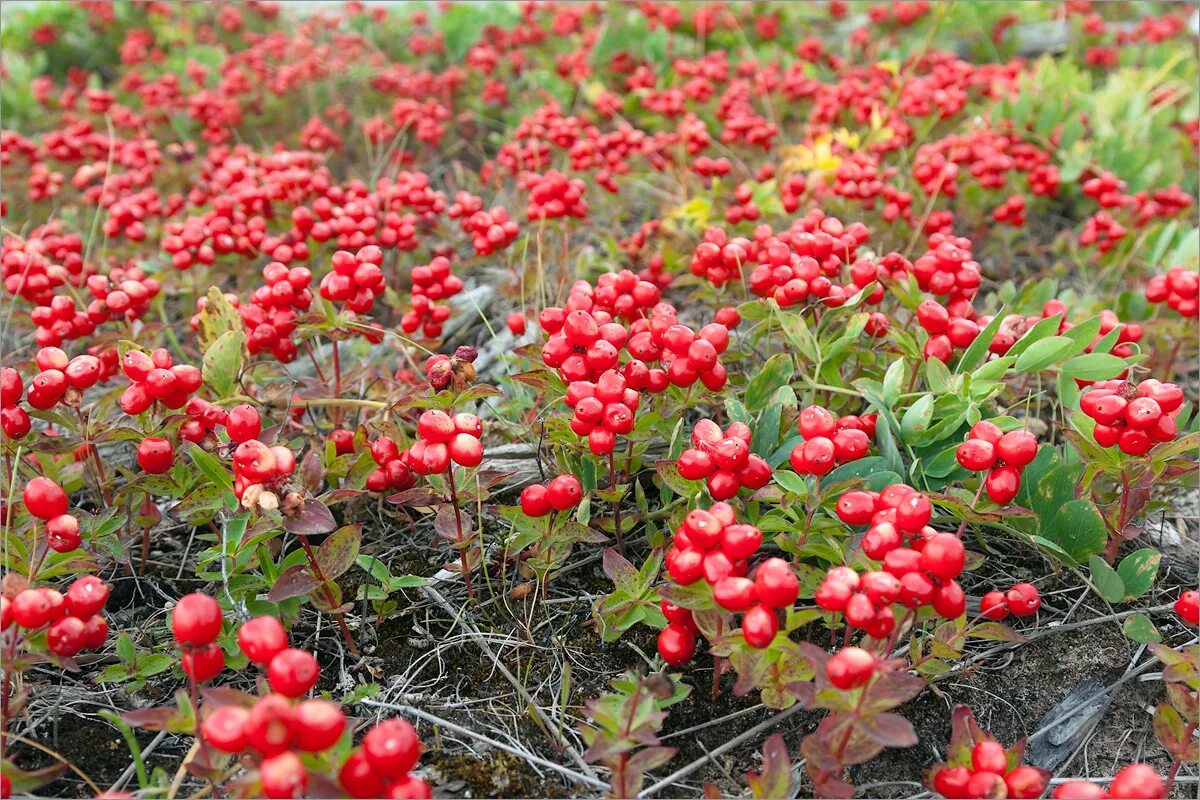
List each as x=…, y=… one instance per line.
x=949, y=601
x=44, y=498
x=1188, y=607
x=269, y=725
x=262, y=638
x=739, y=542
x=318, y=724
x=944, y=556
x=856, y=508
x=392, y=748
x=1137, y=781
x=516, y=323
x=1025, y=783
x=993, y=606
x=283, y=776
x=62, y=533
x=1002, y=484
x=535, y=501
x=776, y=583
x=952, y=781
x=66, y=636
x=203, y=663
x=988, y=431
x=243, y=423
x=816, y=421
x=33, y=608
x=850, y=667
x=436, y=426
x=733, y=593
x=1017, y=448
x=87, y=596
x=196, y=619
x=759, y=626
x=155, y=455
x=293, y=672
x=1023, y=599
x=225, y=727
x=676, y=644
x=976, y=454
x=989, y=756
x=564, y=492
x=358, y=778
x=1079, y=790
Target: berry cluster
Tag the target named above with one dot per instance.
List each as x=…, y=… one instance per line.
x=14, y=420
x=1003, y=455
x=156, y=378
x=489, y=230
x=989, y=775
x=1179, y=289
x=723, y=458
x=203, y=418
x=687, y=355
x=582, y=344
x=393, y=471
x=603, y=410
x=1021, y=600
x=677, y=641
x=718, y=259
x=554, y=195
x=257, y=467
x=829, y=440
x=58, y=374
x=1130, y=417
x=382, y=766
x=442, y=439
x=431, y=283
x=46, y=500
x=270, y=318
x=74, y=619
x=948, y=267
x=561, y=493
x=125, y=293
x=923, y=573
x=622, y=294
x=356, y=280
x=711, y=545
x=196, y=623
x=774, y=586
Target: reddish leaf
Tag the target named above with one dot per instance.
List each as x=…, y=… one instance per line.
x=26, y=782
x=158, y=718
x=889, y=730
x=775, y=780
x=446, y=523
x=337, y=553
x=314, y=518
x=618, y=569
x=294, y=581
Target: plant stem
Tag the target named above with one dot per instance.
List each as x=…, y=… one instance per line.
x=716, y=687
x=1175, y=762
x=462, y=556
x=337, y=380
x=315, y=566
x=962, y=526
x=612, y=482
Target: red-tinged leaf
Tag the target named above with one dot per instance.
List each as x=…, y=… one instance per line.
x=830, y=784
x=889, y=730
x=1184, y=702
x=490, y=477
x=414, y=498
x=669, y=473
x=775, y=780
x=818, y=754
x=618, y=569
x=446, y=523
x=311, y=470
x=313, y=519
x=337, y=553
x=860, y=748
x=804, y=692
x=27, y=781
x=541, y=379
x=294, y=581
x=711, y=791
x=890, y=689
x=965, y=733
x=650, y=758
x=218, y=696
x=341, y=496
x=1170, y=729
x=996, y=632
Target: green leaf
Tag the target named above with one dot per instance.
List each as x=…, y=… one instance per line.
x=1108, y=583
x=792, y=483
x=916, y=419
x=223, y=362
x=1042, y=354
x=893, y=380
x=1078, y=529
x=1137, y=571
x=1094, y=367
x=1042, y=330
x=213, y=470
x=937, y=376
x=977, y=352
x=1140, y=629
x=775, y=373
x=218, y=318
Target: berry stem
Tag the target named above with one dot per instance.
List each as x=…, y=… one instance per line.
x=1176, y=763
x=101, y=477
x=462, y=557
x=612, y=482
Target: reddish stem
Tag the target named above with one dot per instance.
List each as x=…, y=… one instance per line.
x=315, y=566
x=962, y=526
x=1175, y=762
x=612, y=483
x=462, y=557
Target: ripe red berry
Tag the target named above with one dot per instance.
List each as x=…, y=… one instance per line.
x=62, y=533
x=856, y=508
x=269, y=725
x=676, y=644
x=203, y=663
x=224, y=728
x=850, y=667
x=1025, y=783
x=733, y=593
x=1002, y=484
x=988, y=756
x=944, y=556
x=759, y=626
x=155, y=455
x=243, y=423
x=1188, y=607
x=1017, y=448
x=358, y=778
x=293, y=672
x=949, y=601
x=283, y=776
x=564, y=492
x=1137, y=781
x=318, y=724
x=952, y=781
x=516, y=323
x=993, y=606
x=392, y=748
x=776, y=583
x=976, y=454
x=410, y=787
x=66, y=636
x=1023, y=599
x=44, y=498
x=33, y=608
x=87, y=596
x=262, y=638
x=196, y=619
